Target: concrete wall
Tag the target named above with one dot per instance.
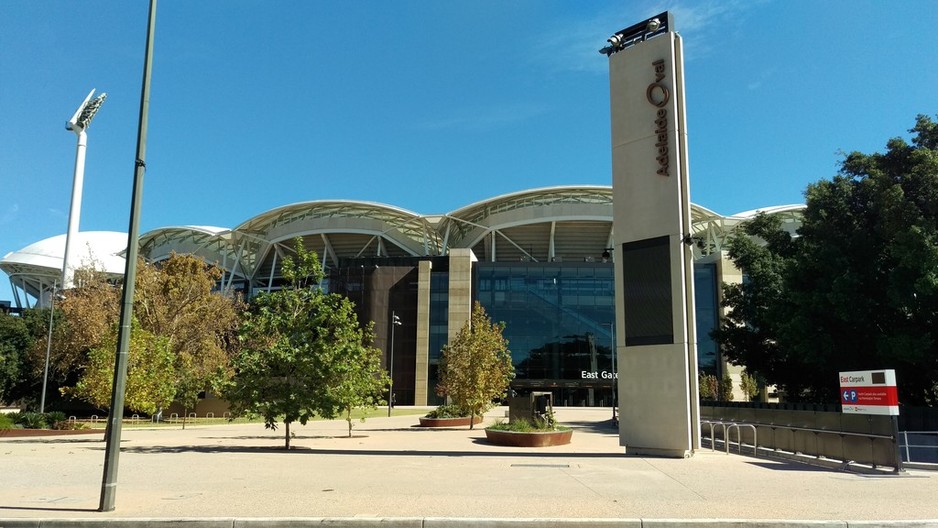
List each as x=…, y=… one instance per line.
x=422, y=360
x=460, y=289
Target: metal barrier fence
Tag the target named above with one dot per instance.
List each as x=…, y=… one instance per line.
x=862, y=439
x=919, y=446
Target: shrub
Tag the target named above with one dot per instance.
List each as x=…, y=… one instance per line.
x=527, y=426
x=66, y=425
x=708, y=386
x=30, y=420
x=6, y=422
x=749, y=385
x=726, y=388
x=35, y=420
x=448, y=411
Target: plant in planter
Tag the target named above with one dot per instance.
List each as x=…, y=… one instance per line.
x=541, y=431
x=476, y=366
x=448, y=415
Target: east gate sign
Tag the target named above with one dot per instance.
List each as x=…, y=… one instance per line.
x=869, y=392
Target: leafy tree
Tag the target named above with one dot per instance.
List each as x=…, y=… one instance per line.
x=302, y=352
x=749, y=385
x=726, y=387
x=175, y=300
x=150, y=383
x=15, y=342
x=173, y=304
x=476, y=366
x=857, y=289
x=85, y=318
x=356, y=379
x=708, y=386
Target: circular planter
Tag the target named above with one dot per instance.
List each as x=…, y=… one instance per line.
x=532, y=439
x=447, y=422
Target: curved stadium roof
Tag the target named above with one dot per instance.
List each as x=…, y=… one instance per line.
x=547, y=224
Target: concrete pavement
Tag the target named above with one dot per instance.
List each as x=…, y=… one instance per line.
x=402, y=475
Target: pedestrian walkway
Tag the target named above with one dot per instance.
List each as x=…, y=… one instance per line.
x=392, y=469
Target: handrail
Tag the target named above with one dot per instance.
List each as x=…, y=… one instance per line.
x=812, y=430
x=907, y=445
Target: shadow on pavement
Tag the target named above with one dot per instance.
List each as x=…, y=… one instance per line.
x=791, y=466
x=158, y=450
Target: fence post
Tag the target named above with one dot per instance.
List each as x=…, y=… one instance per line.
x=908, y=455
x=895, y=442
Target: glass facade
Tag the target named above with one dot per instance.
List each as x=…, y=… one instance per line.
x=559, y=322
x=439, y=320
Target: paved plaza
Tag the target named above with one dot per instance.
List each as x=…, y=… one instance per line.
x=392, y=469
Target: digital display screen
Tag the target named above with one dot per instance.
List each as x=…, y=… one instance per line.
x=646, y=270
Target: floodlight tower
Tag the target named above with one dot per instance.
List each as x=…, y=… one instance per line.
x=79, y=125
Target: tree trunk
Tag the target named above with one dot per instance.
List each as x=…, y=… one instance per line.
x=472, y=420
x=348, y=417
x=287, y=435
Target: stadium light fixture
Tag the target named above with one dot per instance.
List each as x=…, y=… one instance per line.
x=79, y=125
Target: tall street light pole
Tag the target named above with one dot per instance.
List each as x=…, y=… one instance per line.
x=79, y=125
x=113, y=434
x=395, y=321
x=45, y=370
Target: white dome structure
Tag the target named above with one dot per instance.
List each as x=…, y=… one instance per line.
x=34, y=269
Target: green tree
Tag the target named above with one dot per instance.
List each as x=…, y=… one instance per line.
x=356, y=379
x=176, y=300
x=174, y=303
x=15, y=342
x=302, y=352
x=708, y=386
x=749, y=385
x=476, y=366
x=85, y=318
x=857, y=289
x=150, y=384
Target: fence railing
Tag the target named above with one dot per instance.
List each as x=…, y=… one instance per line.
x=919, y=446
x=860, y=439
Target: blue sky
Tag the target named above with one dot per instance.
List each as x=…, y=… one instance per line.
x=430, y=106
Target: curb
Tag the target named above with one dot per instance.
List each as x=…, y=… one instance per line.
x=442, y=522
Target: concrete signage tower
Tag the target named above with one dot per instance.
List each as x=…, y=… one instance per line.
x=656, y=349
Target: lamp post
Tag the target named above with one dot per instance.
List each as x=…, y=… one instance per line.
x=395, y=321
x=45, y=371
x=112, y=435
x=79, y=125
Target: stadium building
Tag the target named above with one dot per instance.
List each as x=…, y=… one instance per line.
x=540, y=260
